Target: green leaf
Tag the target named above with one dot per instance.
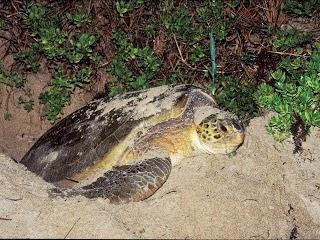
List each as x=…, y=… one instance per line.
x=122, y=7
x=76, y=57
x=279, y=75
x=27, y=105
x=289, y=88
x=283, y=108
x=315, y=119
x=307, y=116
x=266, y=96
x=296, y=63
x=306, y=97
x=313, y=81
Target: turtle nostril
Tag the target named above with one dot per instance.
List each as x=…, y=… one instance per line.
x=237, y=126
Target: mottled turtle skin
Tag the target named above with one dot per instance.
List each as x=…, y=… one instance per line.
x=123, y=148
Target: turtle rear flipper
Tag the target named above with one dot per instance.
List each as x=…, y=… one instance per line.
x=126, y=183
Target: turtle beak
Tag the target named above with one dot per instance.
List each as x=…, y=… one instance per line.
x=239, y=132
x=239, y=138
x=230, y=126
x=234, y=129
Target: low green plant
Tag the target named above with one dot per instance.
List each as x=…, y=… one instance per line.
x=81, y=47
x=237, y=98
x=289, y=38
x=52, y=41
x=150, y=29
x=301, y=8
x=132, y=67
x=177, y=20
x=61, y=50
x=30, y=57
x=79, y=19
x=233, y=3
x=124, y=7
x=27, y=104
x=194, y=27
x=58, y=95
x=3, y=24
x=178, y=76
x=295, y=91
x=212, y=14
x=12, y=78
x=198, y=54
x=35, y=17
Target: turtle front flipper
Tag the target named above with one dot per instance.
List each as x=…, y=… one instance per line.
x=127, y=183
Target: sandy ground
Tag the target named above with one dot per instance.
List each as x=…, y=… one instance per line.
x=264, y=191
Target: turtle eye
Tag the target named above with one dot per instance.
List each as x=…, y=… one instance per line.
x=223, y=128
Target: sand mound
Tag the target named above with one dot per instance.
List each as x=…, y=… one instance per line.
x=263, y=192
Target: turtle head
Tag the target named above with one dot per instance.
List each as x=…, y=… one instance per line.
x=219, y=135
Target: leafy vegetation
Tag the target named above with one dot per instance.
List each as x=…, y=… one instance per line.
x=124, y=7
x=211, y=12
x=3, y=24
x=66, y=52
x=12, y=78
x=301, y=8
x=54, y=41
x=209, y=16
x=132, y=67
x=30, y=58
x=81, y=48
x=58, y=95
x=27, y=104
x=289, y=38
x=79, y=19
x=236, y=98
x=198, y=54
x=295, y=92
x=178, y=21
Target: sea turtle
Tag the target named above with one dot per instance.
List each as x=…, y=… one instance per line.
x=123, y=148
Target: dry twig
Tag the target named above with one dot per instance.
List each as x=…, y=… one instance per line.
x=288, y=54
x=180, y=53
x=72, y=227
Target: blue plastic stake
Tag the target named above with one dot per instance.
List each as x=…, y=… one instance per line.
x=212, y=46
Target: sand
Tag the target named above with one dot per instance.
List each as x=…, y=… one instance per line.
x=264, y=191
